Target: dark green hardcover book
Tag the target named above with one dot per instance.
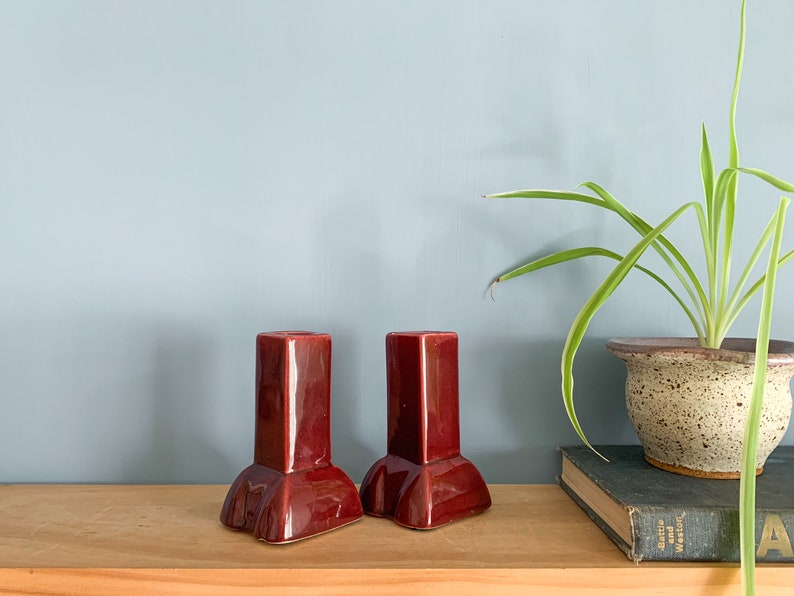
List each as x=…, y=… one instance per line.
x=653, y=515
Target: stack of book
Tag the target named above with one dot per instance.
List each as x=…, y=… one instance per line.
x=655, y=515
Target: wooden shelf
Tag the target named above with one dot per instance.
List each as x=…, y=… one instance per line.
x=96, y=539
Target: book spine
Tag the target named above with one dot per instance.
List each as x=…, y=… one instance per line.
x=707, y=535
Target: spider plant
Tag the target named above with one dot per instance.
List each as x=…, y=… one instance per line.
x=711, y=304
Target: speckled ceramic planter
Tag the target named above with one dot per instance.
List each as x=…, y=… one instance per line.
x=688, y=404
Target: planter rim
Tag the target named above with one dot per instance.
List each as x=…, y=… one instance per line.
x=734, y=349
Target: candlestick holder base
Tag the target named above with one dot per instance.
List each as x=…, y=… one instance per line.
x=424, y=496
x=280, y=508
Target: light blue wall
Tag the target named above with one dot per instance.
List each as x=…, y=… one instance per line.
x=178, y=176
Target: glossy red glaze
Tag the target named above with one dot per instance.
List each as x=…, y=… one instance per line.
x=280, y=508
x=292, y=490
x=293, y=401
x=422, y=387
x=423, y=482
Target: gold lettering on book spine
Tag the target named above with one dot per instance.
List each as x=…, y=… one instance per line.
x=660, y=534
x=775, y=537
x=679, y=533
x=670, y=534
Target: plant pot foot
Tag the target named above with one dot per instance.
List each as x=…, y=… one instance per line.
x=684, y=471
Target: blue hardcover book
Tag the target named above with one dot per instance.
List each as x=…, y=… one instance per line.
x=653, y=515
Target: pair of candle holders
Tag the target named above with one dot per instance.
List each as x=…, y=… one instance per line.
x=293, y=491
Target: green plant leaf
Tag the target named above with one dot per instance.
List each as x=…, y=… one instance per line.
x=707, y=173
x=733, y=162
x=666, y=249
x=669, y=253
x=560, y=195
x=733, y=157
x=723, y=185
x=730, y=317
x=605, y=200
x=709, y=233
x=725, y=208
x=769, y=178
x=596, y=300
x=557, y=258
x=751, y=430
x=595, y=251
x=724, y=179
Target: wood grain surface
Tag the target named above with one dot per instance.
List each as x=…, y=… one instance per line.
x=96, y=539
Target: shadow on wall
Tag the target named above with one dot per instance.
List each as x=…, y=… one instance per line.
x=179, y=447
x=526, y=403
x=356, y=265
x=350, y=407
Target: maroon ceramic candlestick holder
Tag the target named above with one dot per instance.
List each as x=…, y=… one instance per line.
x=292, y=490
x=423, y=482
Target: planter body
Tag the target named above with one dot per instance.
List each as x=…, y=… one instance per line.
x=689, y=404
